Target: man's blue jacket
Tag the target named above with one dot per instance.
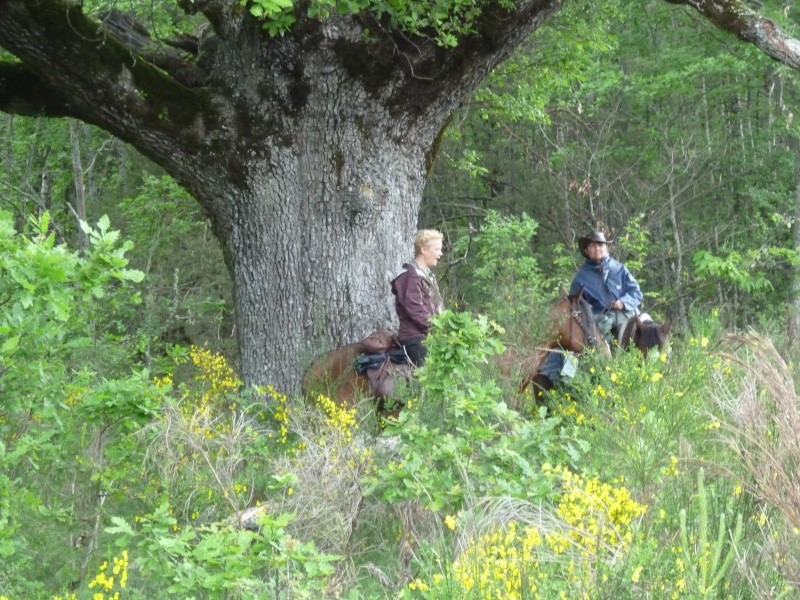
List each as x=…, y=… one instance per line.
x=606, y=282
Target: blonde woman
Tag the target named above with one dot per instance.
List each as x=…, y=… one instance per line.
x=417, y=296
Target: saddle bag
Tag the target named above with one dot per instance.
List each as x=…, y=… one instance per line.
x=382, y=380
x=366, y=362
x=398, y=356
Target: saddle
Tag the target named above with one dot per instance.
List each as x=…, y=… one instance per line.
x=384, y=361
x=379, y=342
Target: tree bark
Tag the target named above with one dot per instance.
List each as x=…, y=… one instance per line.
x=736, y=17
x=307, y=151
x=314, y=272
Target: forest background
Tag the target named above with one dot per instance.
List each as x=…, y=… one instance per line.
x=132, y=459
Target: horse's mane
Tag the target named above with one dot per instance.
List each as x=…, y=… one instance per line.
x=584, y=303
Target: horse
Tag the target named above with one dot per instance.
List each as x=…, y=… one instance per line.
x=642, y=332
x=334, y=374
x=572, y=329
x=639, y=331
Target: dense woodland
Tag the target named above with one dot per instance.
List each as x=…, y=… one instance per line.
x=136, y=464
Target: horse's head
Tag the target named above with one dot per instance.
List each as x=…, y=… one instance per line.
x=577, y=329
x=649, y=337
x=573, y=329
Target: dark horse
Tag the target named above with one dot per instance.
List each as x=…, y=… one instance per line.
x=645, y=334
x=334, y=375
x=572, y=329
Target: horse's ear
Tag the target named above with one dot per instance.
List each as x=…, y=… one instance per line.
x=562, y=290
x=667, y=325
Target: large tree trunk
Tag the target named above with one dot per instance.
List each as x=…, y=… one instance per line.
x=322, y=217
x=313, y=244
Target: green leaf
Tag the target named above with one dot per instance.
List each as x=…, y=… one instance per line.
x=44, y=222
x=132, y=275
x=120, y=525
x=10, y=345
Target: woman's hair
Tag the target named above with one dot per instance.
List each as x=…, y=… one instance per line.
x=425, y=237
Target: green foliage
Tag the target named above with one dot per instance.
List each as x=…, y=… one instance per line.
x=685, y=137
x=708, y=559
x=276, y=14
x=130, y=400
x=470, y=162
x=49, y=295
x=633, y=245
x=64, y=425
x=71, y=451
x=188, y=297
x=445, y=21
x=501, y=275
x=461, y=344
x=525, y=87
x=459, y=440
x=635, y=111
x=222, y=559
x=735, y=268
x=640, y=411
x=167, y=466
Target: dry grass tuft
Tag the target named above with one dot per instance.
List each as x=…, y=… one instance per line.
x=187, y=445
x=762, y=425
x=328, y=495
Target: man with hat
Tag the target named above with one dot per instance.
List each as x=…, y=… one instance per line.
x=607, y=285
x=610, y=290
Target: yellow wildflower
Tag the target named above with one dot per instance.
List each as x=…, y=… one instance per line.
x=637, y=572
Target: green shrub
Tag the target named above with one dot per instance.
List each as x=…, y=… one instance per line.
x=459, y=440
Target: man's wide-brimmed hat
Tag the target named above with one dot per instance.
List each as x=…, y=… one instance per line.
x=596, y=236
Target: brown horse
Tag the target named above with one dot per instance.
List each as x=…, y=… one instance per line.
x=334, y=375
x=572, y=329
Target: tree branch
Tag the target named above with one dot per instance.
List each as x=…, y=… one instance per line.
x=218, y=12
x=735, y=17
x=135, y=37
x=430, y=68
x=75, y=67
x=23, y=93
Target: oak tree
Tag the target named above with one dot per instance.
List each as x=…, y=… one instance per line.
x=303, y=128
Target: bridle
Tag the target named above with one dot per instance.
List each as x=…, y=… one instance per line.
x=581, y=313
